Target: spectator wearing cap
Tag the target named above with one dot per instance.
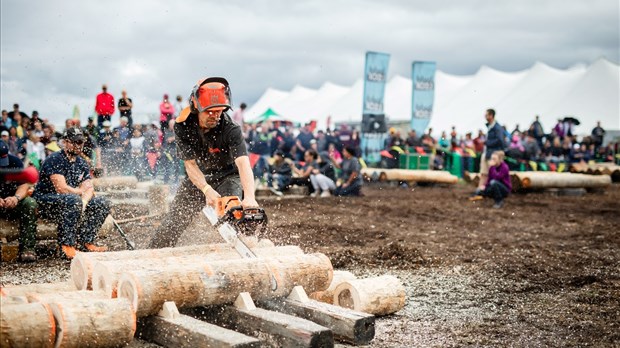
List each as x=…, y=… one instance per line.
x=104, y=106
x=16, y=205
x=351, y=174
x=91, y=128
x=166, y=112
x=125, y=104
x=65, y=194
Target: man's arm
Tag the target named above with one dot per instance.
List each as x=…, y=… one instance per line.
x=60, y=184
x=12, y=201
x=247, y=181
x=88, y=190
x=197, y=178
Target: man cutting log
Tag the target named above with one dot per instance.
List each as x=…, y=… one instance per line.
x=216, y=161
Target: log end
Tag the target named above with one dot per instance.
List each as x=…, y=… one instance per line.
x=103, y=280
x=80, y=270
x=128, y=288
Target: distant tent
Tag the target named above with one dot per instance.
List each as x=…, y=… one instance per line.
x=272, y=116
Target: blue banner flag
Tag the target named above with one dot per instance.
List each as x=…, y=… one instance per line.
x=423, y=95
x=375, y=75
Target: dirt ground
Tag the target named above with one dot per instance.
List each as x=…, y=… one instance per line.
x=542, y=271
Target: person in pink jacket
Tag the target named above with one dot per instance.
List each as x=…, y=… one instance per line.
x=104, y=106
x=166, y=112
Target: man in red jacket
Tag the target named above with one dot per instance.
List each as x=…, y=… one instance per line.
x=104, y=107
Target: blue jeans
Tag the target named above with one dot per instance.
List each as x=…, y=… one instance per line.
x=496, y=190
x=282, y=181
x=351, y=190
x=74, y=227
x=261, y=166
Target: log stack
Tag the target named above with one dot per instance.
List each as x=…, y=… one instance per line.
x=408, y=175
x=605, y=168
x=545, y=180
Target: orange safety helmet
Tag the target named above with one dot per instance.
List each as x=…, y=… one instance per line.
x=209, y=93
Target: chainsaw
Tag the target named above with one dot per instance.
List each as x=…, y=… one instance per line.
x=230, y=219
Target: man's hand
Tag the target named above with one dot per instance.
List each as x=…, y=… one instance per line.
x=211, y=196
x=1, y=203
x=249, y=203
x=10, y=202
x=345, y=185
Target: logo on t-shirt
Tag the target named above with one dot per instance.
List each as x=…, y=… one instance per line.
x=215, y=150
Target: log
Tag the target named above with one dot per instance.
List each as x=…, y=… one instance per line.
x=94, y=322
x=541, y=180
x=106, y=273
x=43, y=288
x=430, y=176
x=12, y=300
x=219, y=282
x=83, y=263
x=65, y=296
x=115, y=182
x=347, y=325
x=379, y=295
x=9, y=229
x=282, y=329
x=27, y=325
x=171, y=329
x=327, y=296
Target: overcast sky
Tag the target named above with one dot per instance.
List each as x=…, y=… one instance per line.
x=56, y=54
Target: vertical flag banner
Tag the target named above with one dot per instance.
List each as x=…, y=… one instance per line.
x=375, y=74
x=423, y=95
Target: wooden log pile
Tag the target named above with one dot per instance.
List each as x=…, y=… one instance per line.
x=545, y=180
x=409, y=175
x=605, y=168
x=138, y=293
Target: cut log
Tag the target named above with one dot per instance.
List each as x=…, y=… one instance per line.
x=220, y=282
x=327, y=296
x=282, y=329
x=106, y=273
x=12, y=300
x=9, y=229
x=94, y=323
x=43, y=288
x=541, y=180
x=115, y=182
x=182, y=331
x=407, y=175
x=379, y=296
x=83, y=263
x=347, y=325
x=65, y=296
x=27, y=325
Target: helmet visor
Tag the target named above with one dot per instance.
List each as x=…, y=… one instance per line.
x=212, y=95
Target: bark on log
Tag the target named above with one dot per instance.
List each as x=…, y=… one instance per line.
x=430, y=176
x=541, y=180
x=27, y=325
x=220, y=282
x=115, y=182
x=65, y=296
x=94, y=323
x=43, y=288
x=379, y=296
x=106, y=273
x=83, y=263
x=9, y=229
x=327, y=296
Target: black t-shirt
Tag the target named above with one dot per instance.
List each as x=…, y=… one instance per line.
x=215, y=151
x=75, y=173
x=8, y=189
x=123, y=102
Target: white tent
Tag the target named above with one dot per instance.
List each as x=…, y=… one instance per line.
x=269, y=97
x=588, y=93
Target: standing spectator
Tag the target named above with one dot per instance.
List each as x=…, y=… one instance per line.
x=104, y=106
x=15, y=204
x=125, y=105
x=537, y=131
x=166, y=112
x=178, y=105
x=65, y=194
x=91, y=128
x=559, y=130
x=16, y=112
x=498, y=185
x=598, y=135
x=351, y=174
x=494, y=142
x=237, y=116
x=35, y=120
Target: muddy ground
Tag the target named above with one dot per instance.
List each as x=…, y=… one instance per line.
x=542, y=271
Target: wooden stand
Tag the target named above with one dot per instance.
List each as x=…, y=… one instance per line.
x=219, y=282
x=27, y=325
x=379, y=296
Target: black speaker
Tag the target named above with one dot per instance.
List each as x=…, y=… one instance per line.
x=374, y=123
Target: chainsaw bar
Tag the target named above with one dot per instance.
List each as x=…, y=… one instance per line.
x=229, y=234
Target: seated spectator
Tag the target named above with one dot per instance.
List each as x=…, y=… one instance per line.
x=351, y=174
x=279, y=174
x=65, y=194
x=15, y=204
x=322, y=178
x=302, y=177
x=333, y=152
x=498, y=184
